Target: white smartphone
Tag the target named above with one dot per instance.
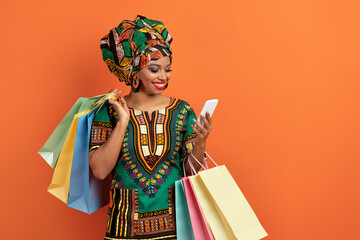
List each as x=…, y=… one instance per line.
x=209, y=106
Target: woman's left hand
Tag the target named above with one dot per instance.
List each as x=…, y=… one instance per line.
x=202, y=132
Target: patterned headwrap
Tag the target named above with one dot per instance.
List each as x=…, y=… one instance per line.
x=133, y=45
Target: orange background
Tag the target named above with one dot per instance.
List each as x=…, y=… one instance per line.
x=286, y=74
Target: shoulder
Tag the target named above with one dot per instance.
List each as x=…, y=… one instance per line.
x=180, y=103
x=184, y=107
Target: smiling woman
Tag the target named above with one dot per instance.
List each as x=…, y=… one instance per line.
x=156, y=74
x=143, y=139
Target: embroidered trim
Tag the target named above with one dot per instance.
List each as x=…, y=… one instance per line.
x=190, y=137
x=102, y=124
x=99, y=135
x=94, y=147
x=153, y=213
x=152, y=136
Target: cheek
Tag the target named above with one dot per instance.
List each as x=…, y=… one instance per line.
x=149, y=77
x=147, y=80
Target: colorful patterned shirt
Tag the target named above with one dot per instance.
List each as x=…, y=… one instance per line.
x=150, y=161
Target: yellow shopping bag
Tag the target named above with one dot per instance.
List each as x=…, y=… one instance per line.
x=60, y=182
x=226, y=210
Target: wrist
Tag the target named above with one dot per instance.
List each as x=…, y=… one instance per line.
x=122, y=123
x=200, y=146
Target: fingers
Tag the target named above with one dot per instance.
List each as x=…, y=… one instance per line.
x=199, y=125
x=205, y=121
x=203, y=131
x=111, y=92
x=198, y=133
x=115, y=101
x=112, y=101
x=115, y=91
x=123, y=103
x=201, y=128
x=208, y=121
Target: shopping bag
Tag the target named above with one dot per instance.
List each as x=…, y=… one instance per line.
x=86, y=193
x=59, y=186
x=218, y=225
x=184, y=229
x=200, y=227
x=226, y=210
x=51, y=149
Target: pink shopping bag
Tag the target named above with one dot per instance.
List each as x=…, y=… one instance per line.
x=200, y=227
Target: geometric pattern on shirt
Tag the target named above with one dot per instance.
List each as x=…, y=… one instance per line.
x=123, y=208
x=152, y=136
x=159, y=221
x=99, y=134
x=150, y=183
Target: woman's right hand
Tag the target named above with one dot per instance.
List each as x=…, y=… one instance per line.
x=121, y=108
x=103, y=159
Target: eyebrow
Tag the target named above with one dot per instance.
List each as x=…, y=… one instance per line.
x=159, y=65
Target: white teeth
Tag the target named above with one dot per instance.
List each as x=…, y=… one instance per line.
x=159, y=84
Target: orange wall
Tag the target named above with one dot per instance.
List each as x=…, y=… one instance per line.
x=287, y=125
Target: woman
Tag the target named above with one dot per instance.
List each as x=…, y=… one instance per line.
x=145, y=139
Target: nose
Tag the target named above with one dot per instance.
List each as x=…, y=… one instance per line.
x=162, y=75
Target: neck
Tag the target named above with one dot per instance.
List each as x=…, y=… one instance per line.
x=141, y=99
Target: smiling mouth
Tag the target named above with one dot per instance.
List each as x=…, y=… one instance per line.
x=160, y=86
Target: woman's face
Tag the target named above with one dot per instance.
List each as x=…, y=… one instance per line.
x=155, y=76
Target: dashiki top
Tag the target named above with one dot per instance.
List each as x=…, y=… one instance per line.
x=150, y=161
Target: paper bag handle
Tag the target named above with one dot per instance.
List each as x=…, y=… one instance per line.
x=204, y=164
x=192, y=168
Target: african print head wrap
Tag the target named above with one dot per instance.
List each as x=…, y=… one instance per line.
x=133, y=45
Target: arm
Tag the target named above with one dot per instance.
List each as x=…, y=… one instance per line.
x=103, y=159
x=200, y=142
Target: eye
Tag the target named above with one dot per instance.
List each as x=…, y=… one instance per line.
x=168, y=70
x=154, y=70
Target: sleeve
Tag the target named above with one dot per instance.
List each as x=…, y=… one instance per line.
x=189, y=135
x=101, y=128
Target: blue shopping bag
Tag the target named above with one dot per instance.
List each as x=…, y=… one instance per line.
x=86, y=193
x=184, y=229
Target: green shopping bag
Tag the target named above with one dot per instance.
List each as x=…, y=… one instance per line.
x=184, y=229
x=51, y=150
